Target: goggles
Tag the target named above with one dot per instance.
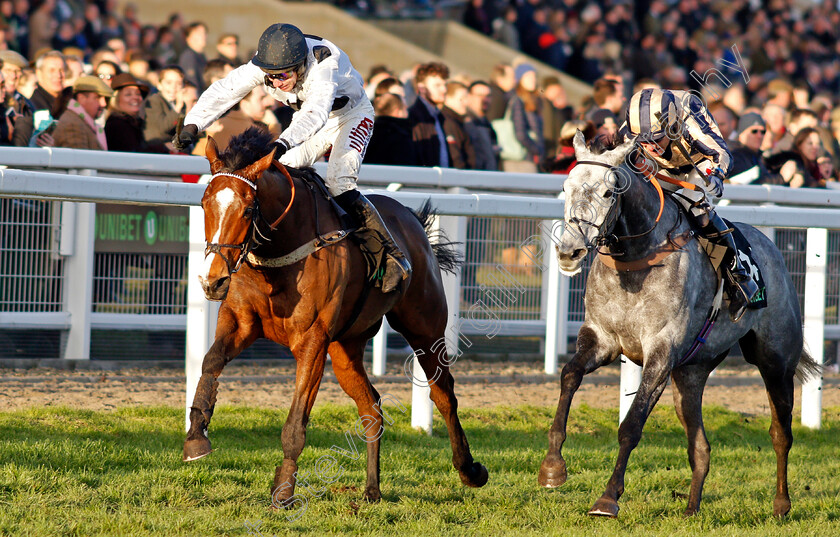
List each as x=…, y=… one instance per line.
x=280, y=77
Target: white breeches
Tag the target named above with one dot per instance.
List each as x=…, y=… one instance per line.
x=348, y=134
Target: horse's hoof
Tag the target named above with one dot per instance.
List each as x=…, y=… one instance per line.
x=196, y=448
x=552, y=473
x=476, y=477
x=691, y=511
x=781, y=507
x=605, y=507
x=372, y=495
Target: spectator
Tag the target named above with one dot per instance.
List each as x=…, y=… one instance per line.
x=391, y=141
x=19, y=22
x=606, y=94
x=138, y=66
x=50, y=93
x=27, y=83
x=192, y=60
x=7, y=126
x=555, y=112
x=107, y=70
x=605, y=123
x=12, y=69
x=189, y=95
x=725, y=118
x=118, y=47
x=505, y=28
x=92, y=29
x=389, y=85
x=801, y=169
x=75, y=67
x=426, y=121
x=77, y=127
x=124, y=126
x=800, y=118
x=215, y=70
x=165, y=107
x=42, y=25
x=748, y=166
x=228, y=48
x=527, y=121
x=564, y=160
x=479, y=129
x=454, y=110
x=828, y=172
x=236, y=121
x=502, y=83
x=478, y=17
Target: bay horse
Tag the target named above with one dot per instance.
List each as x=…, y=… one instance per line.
x=255, y=212
x=653, y=316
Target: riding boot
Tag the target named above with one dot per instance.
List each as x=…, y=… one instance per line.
x=397, y=267
x=718, y=232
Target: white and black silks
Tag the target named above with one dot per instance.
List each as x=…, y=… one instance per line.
x=332, y=110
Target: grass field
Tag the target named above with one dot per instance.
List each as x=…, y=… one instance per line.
x=69, y=472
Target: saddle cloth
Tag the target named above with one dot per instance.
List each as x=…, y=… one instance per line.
x=717, y=252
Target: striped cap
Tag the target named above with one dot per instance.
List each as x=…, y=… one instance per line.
x=645, y=106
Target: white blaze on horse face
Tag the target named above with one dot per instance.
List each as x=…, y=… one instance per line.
x=223, y=201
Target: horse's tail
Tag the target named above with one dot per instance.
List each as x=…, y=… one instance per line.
x=807, y=367
x=446, y=251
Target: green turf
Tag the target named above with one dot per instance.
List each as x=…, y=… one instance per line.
x=70, y=472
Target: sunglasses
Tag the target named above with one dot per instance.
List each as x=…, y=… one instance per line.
x=106, y=77
x=280, y=77
x=758, y=131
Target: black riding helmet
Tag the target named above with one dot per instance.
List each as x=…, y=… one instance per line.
x=281, y=47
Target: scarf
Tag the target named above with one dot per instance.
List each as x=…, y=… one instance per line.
x=98, y=129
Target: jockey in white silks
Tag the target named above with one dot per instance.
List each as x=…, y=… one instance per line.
x=681, y=140
x=332, y=113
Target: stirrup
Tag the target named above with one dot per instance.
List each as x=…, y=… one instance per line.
x=397, y=269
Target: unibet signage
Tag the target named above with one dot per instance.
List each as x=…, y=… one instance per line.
x=131, y=229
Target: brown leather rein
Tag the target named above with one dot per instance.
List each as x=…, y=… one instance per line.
x=656, y=257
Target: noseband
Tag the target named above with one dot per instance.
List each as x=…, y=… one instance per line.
x=251, y=237
x=605, y=238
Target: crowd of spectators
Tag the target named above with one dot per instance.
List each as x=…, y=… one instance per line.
x=80, y=74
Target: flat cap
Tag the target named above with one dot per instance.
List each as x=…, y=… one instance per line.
x=92, y=84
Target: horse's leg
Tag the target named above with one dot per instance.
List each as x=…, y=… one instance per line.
x=431, y=353
x=654, y=376
x=688, y=387
x=231, y=338
x=350, y=372
x=590, y=356
x=778, y=375
x=311, y=357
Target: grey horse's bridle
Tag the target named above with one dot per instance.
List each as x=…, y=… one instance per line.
x=602, y=239
x=605, y=237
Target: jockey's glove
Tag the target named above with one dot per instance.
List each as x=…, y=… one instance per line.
x=281, y=146
x=185, y=137
x=716, y=182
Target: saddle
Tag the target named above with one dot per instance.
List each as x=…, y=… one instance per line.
x=368, y=241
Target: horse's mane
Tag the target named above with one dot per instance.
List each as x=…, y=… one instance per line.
x=246, y=148
x=603, y=143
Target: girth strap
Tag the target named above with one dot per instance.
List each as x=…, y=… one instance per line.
x=301, y=252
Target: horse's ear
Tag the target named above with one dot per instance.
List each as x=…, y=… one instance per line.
x=212, y=154
x=256, y=169
x=579, y=143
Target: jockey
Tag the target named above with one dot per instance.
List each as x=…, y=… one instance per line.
x=316, y=79
x=679, y=136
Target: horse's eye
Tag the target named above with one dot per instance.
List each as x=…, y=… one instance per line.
x=249, y=212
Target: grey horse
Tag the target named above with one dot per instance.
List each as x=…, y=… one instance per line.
x=653, y=316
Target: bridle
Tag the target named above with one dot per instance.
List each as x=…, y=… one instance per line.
x=251, y=239
x=605, y=237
